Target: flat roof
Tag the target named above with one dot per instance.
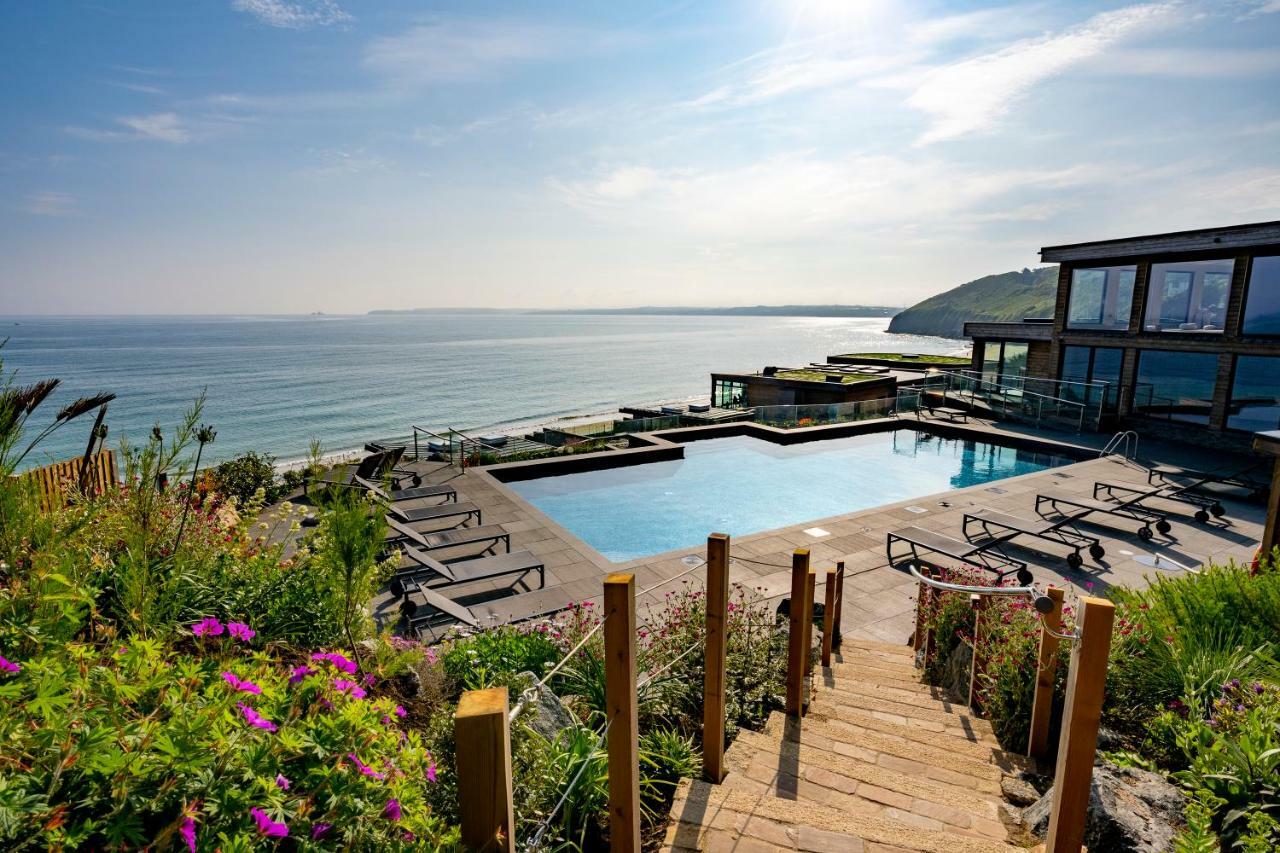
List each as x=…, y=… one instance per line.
x=1200, y=239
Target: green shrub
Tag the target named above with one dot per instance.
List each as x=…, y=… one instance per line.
x=241, y=478
x=123, y=747
x=493, y=658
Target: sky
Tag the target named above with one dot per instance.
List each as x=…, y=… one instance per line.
x=290, y=156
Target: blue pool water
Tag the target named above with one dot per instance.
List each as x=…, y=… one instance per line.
x=746, y=485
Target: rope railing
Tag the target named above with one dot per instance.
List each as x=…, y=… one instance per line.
x=545, y=824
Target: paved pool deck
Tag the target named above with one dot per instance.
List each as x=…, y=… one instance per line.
x=879, y=599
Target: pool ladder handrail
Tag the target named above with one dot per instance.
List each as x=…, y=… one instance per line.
x=1121, y=440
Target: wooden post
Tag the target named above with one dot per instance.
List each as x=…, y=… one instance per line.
x=620, y=701
x=922, y=606
x=1047, y=664
x=835, y=631
x=1271, y=531
x=1086, y=684
x=977, y=664
x=828, y=615
x=713, y=691
x=483, y=742
x=810, y=594
x=796, y=649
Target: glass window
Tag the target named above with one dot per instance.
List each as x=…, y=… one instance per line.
x=1262, y=306
x=1090, y=364
x=1101, y=298
x=991, y=360
x=1014, y=362
x=1075, y=363
x=1188, y=296
x=1255, y=394
x=1175, y=385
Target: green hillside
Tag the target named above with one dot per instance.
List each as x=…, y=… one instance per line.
x=1006, y=297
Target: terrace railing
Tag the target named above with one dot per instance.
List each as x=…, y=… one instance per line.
x=819, y=414
x=1020, y=400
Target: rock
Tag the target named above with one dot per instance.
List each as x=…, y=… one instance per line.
x=409, y=683
x=1109, y=740
x=547, y=715
x=955, y=675
x=1018, y=791
x=1130, y=811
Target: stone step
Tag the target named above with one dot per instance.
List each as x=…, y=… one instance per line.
x=709, y=817
x=940, y=715
x=966, y=769
x=816, y=760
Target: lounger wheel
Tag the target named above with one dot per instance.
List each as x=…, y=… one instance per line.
x=1218, y=510
x=1097, y=551
x=1163, y=526
x=1025, y=577
x=1202, y=515
x=1074, y=560
x=1145, y=534
x=417, y=480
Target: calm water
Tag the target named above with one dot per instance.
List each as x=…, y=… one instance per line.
x=746, y=485
x=275, y=382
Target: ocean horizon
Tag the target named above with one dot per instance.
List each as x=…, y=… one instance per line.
x=275, y=382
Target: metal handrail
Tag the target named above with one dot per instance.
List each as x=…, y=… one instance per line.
x=1042, y=603
x=1121, y=439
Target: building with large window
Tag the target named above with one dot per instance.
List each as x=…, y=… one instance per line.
x=1183, y=327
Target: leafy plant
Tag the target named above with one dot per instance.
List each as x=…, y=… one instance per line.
x=241, y=478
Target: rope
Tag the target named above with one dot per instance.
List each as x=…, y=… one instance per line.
x=530, y=694
x=691, y=570
x=644, y=682
x=761, y=562
x=545, y=823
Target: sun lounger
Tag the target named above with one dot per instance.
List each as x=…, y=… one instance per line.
x=985, y=556
x=1002, y=527
x=463, y=511
x=487, y=535
x=1130, y=510
x=428, y=570
x=373, y=468
x=449, y=493
x=1174, y=475
x=1134, y=495
x=425, y=609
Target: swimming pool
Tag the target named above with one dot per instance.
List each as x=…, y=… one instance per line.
x=745, y=485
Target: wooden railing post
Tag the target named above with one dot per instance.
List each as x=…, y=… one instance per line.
x=828, y=615
x=1086, y=684
x=1046, y=671
x=713, y=684
x=835, y=630
x=978, y=663
x=483, y=742
x=620, y=701
x=810, y=594
x=797, y=651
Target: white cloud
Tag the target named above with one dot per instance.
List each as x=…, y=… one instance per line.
x=464, y=49
x=969, y=96
x=293, y=15
x=160, y=127
x=50, y=203
x=1188, y=62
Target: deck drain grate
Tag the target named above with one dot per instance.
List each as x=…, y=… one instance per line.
x=916, y=509
x=817, y=532
x=691, y=560
x=996, y=490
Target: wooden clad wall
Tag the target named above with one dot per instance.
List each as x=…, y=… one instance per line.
x=55, y=480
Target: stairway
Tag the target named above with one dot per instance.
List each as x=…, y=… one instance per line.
x=881, y=763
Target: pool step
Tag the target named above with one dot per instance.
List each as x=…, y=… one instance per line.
x=881, y=763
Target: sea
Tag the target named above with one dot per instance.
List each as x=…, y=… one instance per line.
x=274, y=383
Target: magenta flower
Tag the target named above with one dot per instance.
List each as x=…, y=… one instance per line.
x=365, y=769
x=392, y=810
x=267, y=826
x=282, y=782
x=337, y=660
x=188, y=832
x=207, y=627
x=241, y=684
x=431, y=772
x=342, y=685
x=299, y=673
x=7, y=665
x=255, y=719
x=401, y=712
x=241, y=631
x=319, y=830
x=370, y=679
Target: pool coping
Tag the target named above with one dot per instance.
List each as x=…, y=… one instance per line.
x=667, y=445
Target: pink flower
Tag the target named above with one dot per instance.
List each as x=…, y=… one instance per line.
x=300, y=672
x=188, y=832
x=240, y=684
x=401, y=712
x=337, y=660
x=431, y=772
x=342, y=685
x=370, y=679
x=267, y=826
x=255, y=719
x=392, y=809
x=319, y=830
x=8, y=666
x=365, y=769
x=241, y=631
x=281, y=782
x=207, y=627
